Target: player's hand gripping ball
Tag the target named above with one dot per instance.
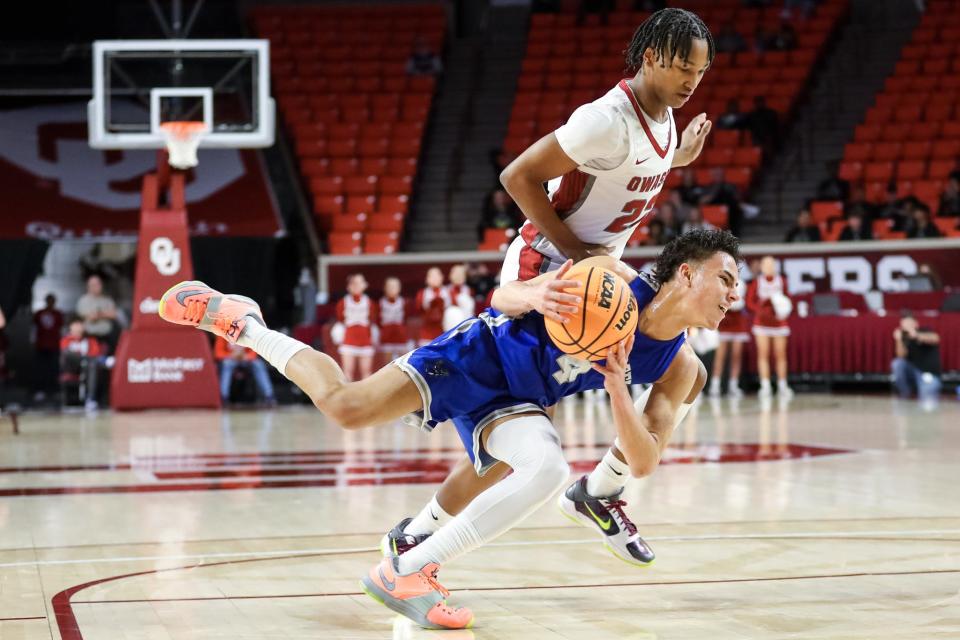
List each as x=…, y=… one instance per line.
x=608, y=314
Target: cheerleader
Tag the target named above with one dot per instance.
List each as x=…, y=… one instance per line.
x=767, y=301
x=734, y=332
x=432, y=302
x=358, y=315
x=394, y=338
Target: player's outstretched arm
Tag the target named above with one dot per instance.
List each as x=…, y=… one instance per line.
x=643, y=437
x=544, y=294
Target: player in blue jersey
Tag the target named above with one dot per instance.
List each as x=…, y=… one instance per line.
x=492, y=376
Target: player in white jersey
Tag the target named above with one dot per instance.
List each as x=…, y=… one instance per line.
x=604, y=168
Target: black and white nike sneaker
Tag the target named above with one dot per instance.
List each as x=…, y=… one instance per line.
x=396, y=543
x=606, y=516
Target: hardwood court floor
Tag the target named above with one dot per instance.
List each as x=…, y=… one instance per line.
x=829, y=517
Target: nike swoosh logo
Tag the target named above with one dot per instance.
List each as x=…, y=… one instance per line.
x=387, y=583
x=614, y=470
x=604, y=524
x=641, y=161
x=434, y=516
x=183, y=295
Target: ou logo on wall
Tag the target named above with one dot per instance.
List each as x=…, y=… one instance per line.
x=165, y=256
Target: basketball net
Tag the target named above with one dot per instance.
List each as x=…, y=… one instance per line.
x=182, y=139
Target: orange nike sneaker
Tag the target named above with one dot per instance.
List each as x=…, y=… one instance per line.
x=417, y=596
x=195, y=304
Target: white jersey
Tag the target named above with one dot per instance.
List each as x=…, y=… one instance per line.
x=624, y=158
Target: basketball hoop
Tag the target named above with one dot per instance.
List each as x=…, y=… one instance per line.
x=182, y=139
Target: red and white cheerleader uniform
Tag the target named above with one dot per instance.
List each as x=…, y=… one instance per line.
x=358, y=315
x=735, y=326
x=759, y=302
x=431, y=303
x=393, y=325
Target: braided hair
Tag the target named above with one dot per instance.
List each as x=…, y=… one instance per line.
x=670, y=33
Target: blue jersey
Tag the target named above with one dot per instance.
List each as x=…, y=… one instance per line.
x=495, y=365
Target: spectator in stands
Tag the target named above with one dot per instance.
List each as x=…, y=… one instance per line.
x=804, y=230
x=832, y=187
x=499, y=212
x=893, y=210
x=695, y=221
x=917, y=361
x=358, y=315
x=80, y=361
x=786, y=37
x=722, y=192
x=668, y=218
x=857, y=203
x=690, y=192
x=47, y=328
x=764, y=125
x=233, y=356
x=920, y=225
x=99, y=312
x=481, y=282
x=424, y=61
x=656, y=233
x=680, y=208
x=432, y=302
x=857, y=229
x=729, y=40
x=950, y=198
x=731, y=118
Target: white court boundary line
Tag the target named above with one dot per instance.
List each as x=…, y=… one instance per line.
x=293, y=553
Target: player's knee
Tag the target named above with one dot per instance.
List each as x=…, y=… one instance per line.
x=553, y=472
x=345, y=408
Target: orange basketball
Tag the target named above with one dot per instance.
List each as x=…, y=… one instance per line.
x=608, y=314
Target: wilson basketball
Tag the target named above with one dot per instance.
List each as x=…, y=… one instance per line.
x=608, y=314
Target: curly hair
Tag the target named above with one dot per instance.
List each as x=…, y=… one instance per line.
x=694, y=246
x=670, y=33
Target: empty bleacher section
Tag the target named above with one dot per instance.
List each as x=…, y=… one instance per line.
x=568, y=64
x=909, y=140
x=356, y=117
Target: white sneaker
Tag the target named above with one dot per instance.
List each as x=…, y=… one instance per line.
x=734, y=391
x=765, y=391
x=714, y=390
x=784, y=391
x=606, y=516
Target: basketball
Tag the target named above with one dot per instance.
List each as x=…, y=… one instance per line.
x=608, y=315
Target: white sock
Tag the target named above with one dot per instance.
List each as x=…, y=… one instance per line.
x=276, y=348
x=715, y=384
x=607, y=477
x=733, y=383
x=765, y=383
x=431, y=518
x=782, y=383
x=530, y=445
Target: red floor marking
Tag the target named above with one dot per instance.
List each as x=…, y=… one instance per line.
x=387, y=468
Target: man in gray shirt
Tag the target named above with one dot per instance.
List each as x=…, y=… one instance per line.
x=99, y=312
